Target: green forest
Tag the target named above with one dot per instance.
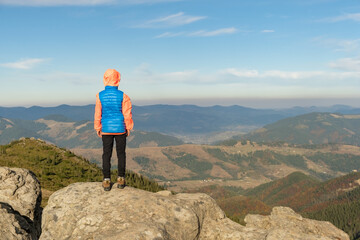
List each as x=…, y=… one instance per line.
x=58, y=167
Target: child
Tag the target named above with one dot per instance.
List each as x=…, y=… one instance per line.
x=113, y=120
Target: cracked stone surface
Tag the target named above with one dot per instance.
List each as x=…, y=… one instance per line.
x=13, y=226
x=20, y=198
x=86, y=211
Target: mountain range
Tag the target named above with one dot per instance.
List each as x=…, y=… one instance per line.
x=190, y=123
x=63, y=132
x=269, y=153
x=311, y=128
x=301, y=161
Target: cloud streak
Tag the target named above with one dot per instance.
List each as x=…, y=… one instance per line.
x=268, y=31
x=24, y=63
x=352, y=67
x=218, y=32
x=347, y=64
x=345, y=17
x=48, y=3
x=200, y=33
x=275, y=78
x=339, y=45
x=277, y=74
x=245, y=83
x=55, y=2
x=173, y=20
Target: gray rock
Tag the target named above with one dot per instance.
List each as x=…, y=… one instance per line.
x=86, y=211
x=13, y=225
x=20, y=189
x=284, y=223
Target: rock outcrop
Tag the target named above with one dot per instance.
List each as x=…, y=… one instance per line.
x=284, y=223
x=85, y=211
x=20, y=198
x=14, y=226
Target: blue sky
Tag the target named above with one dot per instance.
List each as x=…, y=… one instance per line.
x=257, y=53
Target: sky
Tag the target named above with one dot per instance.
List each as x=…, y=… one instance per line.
x=255, y=53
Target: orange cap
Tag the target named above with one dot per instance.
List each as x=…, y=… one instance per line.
x=111, y=77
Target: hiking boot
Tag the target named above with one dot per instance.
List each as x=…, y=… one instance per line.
x=121, y=182
x=106, y=184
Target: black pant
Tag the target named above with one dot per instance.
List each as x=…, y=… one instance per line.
x=108, y=143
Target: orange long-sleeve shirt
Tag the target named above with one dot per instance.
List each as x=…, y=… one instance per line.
x=126, y=111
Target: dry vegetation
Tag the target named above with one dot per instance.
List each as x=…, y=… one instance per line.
x=243, y=165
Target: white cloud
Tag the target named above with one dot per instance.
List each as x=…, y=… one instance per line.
x=341, y=45
x=268, y=31
x=201, y=33
x=271, y=74
x=170, y=34
x=40, y=3
x=173, y=20
x=288, y=78
x=217, y=32
x=55, y=2
x=246, y=76
x=235, y=83
x=292, y=75
x=345, y=17
x=348, y=45
x=145, y=1
x=24, y=63
x=241, y=73
x=143, y=73
x=347, y=64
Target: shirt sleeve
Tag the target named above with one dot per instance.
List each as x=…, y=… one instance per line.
x=97, y=116
x=126, y=110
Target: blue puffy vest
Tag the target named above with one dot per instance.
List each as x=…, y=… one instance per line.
x=112, y=118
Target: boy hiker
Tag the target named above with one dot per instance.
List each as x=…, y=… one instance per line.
x=113, y=120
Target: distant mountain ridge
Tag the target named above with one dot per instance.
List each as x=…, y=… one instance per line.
x=75, y=113
x=86, y=112
x=180, y=120
x=59, y=130
x=312, y=128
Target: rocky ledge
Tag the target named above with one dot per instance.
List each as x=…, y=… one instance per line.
x=85, y=211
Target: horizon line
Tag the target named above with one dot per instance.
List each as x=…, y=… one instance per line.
x=252, y=103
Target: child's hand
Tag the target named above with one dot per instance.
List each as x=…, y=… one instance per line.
x=127, y=132
x=98, y=133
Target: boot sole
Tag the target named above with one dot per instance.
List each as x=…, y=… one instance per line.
x=120, y=186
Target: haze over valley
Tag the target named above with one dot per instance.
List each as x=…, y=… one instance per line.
x=170, y=143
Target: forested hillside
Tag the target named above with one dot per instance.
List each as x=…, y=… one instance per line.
x=66, y=133
x=58, y=167
x=312, y=128
x=335, y=200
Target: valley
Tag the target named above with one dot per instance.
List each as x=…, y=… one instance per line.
x=309, y=162
x=244, y=165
